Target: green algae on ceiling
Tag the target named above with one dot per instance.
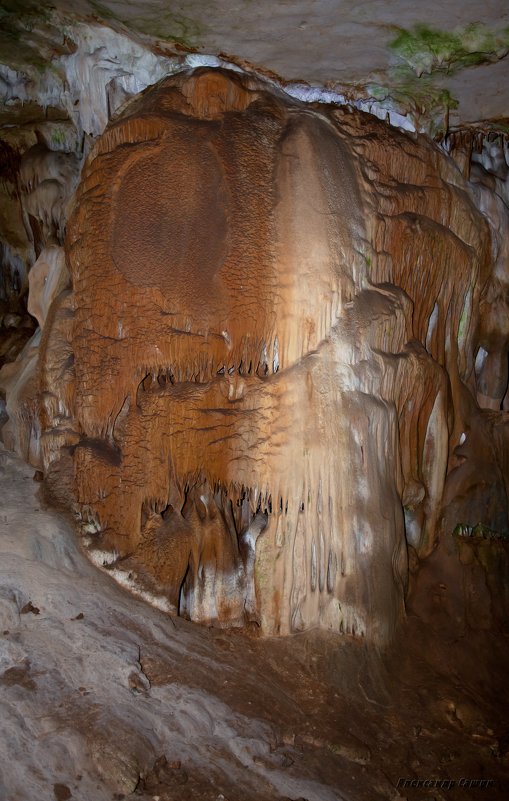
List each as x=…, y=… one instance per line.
x=29, y=37
x=427, y=103
x=153, y=19
x=426, y=49
x=424, y=57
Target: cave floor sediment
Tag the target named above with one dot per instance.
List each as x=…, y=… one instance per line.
x=103, y=697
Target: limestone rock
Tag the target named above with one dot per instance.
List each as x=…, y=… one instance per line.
x=48, y=179
x=47, y=278
x=19, y=384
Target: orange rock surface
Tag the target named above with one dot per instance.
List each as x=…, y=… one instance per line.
x=260, y=395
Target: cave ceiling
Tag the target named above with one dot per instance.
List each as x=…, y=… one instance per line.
x=439, y=65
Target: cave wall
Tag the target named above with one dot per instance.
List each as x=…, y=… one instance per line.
x=275, y=374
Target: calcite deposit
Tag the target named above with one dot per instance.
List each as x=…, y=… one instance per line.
x=260, y=395
x=272, y=355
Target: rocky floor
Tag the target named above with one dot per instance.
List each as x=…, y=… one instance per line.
x=103, y=697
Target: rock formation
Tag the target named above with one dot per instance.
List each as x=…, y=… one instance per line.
x=261, y=394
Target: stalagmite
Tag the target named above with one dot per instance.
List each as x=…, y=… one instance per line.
x=252, y=394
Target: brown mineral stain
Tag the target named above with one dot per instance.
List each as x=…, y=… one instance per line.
x=18, y=675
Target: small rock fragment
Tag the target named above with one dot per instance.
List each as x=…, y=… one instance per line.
x=138, y=682
x=30, y=608
x=61, y=792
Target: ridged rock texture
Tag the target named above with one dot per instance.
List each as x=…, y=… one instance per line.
x=260, y=395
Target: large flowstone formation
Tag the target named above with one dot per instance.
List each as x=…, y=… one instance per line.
x=259, y=394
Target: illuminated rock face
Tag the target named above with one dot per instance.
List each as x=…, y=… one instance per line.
x=251, y=393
